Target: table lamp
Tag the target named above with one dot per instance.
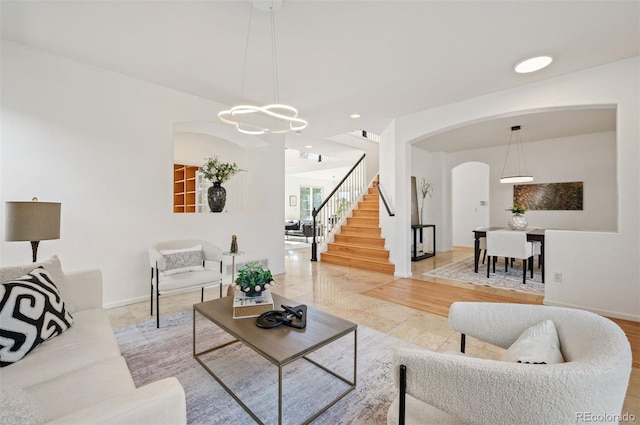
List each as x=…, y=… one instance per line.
x=32, y=221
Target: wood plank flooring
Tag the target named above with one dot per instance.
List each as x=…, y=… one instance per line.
x=436, y=298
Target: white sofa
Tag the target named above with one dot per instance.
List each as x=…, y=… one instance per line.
x=79, y=376
x=589, y=386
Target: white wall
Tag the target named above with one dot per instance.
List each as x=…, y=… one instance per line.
x=600, y=269
x=292, y=186
x=589, y=158
x=102, y=144
x=469, y=201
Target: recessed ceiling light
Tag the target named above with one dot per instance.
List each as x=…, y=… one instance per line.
x=308, y=146
x=532, y=64
x=355, y=115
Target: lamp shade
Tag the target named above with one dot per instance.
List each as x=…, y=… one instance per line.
x=32, y=221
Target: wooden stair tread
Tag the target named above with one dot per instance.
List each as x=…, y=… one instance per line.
x=359, y=244
x=359, y=239
x=358, y=258
x=377, y=265
x=357, y=228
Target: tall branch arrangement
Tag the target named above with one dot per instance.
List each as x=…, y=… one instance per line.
x=426, y=188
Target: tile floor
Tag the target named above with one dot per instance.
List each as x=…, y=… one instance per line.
x=338, y=290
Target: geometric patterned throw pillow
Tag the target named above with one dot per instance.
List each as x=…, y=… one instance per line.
x=31, y=312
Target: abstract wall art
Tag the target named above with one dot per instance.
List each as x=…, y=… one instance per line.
x=549, y=196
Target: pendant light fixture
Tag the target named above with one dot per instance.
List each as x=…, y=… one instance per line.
x=522, y=176
x=273, y=118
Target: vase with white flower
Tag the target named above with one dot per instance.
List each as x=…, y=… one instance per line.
x=217, y=172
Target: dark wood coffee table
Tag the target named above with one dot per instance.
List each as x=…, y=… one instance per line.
x=281, y=346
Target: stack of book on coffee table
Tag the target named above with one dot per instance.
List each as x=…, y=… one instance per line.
x=244, y=306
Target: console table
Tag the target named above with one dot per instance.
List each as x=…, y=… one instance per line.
x=417, y=233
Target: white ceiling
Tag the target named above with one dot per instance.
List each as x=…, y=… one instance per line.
x=534, y=127
x=381, y=59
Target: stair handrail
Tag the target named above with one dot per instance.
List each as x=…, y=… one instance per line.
x=390, y=209
x=347, y=181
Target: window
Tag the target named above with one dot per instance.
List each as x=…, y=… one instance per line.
x=310, y=198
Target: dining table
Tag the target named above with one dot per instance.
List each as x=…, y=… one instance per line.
x=533, y=235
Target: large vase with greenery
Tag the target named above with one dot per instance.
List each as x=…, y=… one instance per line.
x=518, y=220
x=218, y=172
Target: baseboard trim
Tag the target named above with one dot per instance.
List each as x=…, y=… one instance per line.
x=126, y=302
x=606, y=313
x=129, y=301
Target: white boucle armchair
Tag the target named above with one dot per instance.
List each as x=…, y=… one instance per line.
x=445, y=388
x=209, y=273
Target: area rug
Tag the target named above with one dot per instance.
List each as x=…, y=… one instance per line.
x=154, y=354
x=463, y=270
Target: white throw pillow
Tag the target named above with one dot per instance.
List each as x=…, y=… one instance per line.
x=52, y=265
x=175, y=251
x=537, y=345
x=182, y=260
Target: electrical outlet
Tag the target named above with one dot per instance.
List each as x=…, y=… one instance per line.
x=557, y=277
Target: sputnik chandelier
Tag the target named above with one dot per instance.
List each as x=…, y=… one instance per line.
x=273, y=118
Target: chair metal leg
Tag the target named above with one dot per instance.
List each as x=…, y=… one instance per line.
x=524, y=271
x=463, y=339
x=157, y=299
x=202, y=294
x=232, y=272
x=151, y=292
x=402, y=396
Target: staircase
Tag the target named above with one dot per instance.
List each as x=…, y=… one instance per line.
x=359, y=244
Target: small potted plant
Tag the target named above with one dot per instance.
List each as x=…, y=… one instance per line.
x=517, y=209
x=518, y=221
x=218, y=172
x=252, y=279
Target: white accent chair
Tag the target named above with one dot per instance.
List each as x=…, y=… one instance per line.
x=444, y=388
x=509, y=244
x=163, y=282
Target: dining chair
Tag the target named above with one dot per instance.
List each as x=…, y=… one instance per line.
x=537, y=251
x=482, y=243
x=509, y=244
